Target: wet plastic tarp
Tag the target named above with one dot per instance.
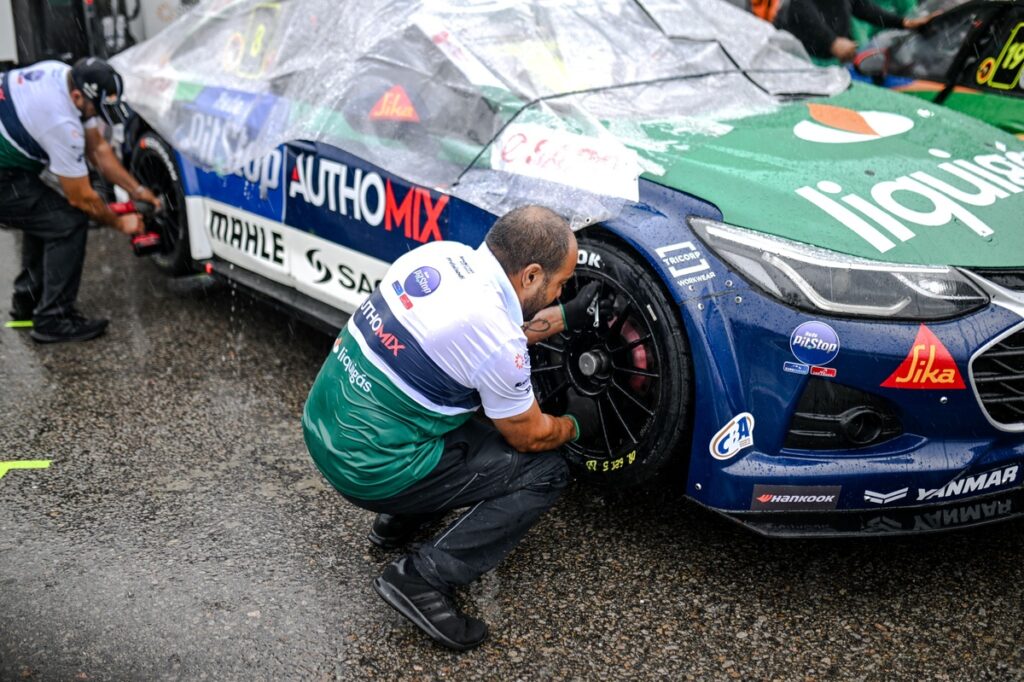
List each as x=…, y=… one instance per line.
x=502, y=102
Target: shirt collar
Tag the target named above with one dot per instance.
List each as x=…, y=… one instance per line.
x=508, y=293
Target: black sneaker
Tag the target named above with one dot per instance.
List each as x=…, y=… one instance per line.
x=391, y=531
x=74, y=327
x=432, y=611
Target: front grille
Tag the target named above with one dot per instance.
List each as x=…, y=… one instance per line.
x=1012, y=279
x=998, y=376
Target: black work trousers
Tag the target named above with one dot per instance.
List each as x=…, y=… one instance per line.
x=506, y=492
x=52, y=249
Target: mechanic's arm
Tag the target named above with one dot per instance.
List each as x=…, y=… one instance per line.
x=547, y=322
x=534, y=431
x=101, y=156
x=585, y=311
x=82, y=196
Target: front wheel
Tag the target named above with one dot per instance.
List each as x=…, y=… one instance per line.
x=153, y=164
x=634, y=372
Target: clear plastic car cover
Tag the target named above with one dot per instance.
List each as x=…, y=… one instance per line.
x=502, y=102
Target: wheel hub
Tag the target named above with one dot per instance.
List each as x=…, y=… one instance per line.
x=594, y=363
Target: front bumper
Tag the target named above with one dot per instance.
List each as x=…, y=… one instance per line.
x=950, y=452
x=978, y=511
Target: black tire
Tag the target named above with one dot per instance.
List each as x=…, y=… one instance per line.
x=637, y=377
x=154, y=165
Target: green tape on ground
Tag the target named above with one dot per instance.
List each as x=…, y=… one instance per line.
x=24, y=464
x=19, y=324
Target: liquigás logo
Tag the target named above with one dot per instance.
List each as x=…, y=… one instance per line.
x=931, y=197
x=838, y=125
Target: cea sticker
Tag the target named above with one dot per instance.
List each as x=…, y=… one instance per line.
x=733, y=437
x=814, y=343
x=423, y=281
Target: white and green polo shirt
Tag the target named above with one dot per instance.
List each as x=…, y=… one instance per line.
x=39, y=124
x=439, y=338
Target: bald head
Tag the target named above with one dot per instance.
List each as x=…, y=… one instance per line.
x=530, y=234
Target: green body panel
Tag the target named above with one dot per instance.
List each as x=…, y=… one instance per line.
x=366, y=436
x=1002, y=111
x=752, y=173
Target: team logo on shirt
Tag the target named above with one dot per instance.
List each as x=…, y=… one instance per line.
x=423, y=281
x=520, y=361
x=402, y=296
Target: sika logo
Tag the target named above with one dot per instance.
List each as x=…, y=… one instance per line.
x=928, y=365
x=394, y=105
x=837, y=125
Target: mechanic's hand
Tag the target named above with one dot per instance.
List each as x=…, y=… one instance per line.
x=587, y=416
x=844, y=49
x=586, y=311
x=143, y=193
x=129, y=224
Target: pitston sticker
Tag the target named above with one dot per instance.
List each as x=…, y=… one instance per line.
x=838, y=125
x=814, y=343
x=394, y=105
x=733, y=437
x=928, y=365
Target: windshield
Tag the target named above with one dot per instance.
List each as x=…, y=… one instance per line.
x=429, y=90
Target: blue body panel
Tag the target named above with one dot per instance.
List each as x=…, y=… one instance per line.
x=739, y=338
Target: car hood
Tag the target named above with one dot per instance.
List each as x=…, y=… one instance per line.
x=867, y=173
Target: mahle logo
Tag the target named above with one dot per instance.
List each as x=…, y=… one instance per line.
x=838, y=125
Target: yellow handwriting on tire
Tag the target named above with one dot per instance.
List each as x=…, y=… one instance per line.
x=611, y=465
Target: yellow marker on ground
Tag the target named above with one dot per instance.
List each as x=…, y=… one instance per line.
x=24, y=464
x=19, y=324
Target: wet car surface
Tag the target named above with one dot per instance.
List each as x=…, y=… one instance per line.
x=182, y=532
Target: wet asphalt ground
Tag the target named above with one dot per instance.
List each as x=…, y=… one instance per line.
x=181, y=532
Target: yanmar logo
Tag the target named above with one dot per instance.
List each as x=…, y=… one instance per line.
x=928, y=365
x=838, y=125
x=366, y=197
x=929, y=198
x=376, y=324
x=970, y=484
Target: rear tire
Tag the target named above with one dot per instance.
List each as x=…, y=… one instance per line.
x=637, y=373
x=154, y=165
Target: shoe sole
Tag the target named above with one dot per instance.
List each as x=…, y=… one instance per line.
x=41, y=337
x=399, y=602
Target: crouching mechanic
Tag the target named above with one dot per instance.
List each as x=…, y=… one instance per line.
x=48, y=119
x=388, y=420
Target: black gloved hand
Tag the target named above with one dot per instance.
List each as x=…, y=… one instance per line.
x=585, y=414
x=586, y=310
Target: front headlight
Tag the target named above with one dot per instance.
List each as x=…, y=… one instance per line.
x=824, y=281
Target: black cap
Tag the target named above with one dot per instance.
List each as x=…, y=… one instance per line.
x=102, y=86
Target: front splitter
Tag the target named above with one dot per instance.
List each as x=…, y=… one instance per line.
x=977, y=511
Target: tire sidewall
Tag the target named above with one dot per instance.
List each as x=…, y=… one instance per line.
x=178, y=261
x=598, y=252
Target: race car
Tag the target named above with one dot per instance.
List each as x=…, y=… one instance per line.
x=817, y=286
x=969, y=57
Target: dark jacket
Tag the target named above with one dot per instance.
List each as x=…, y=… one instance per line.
x=817, y=23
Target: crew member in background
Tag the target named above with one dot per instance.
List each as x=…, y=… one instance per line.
x=823, y=26
x=48, y=119
x=388, y=420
